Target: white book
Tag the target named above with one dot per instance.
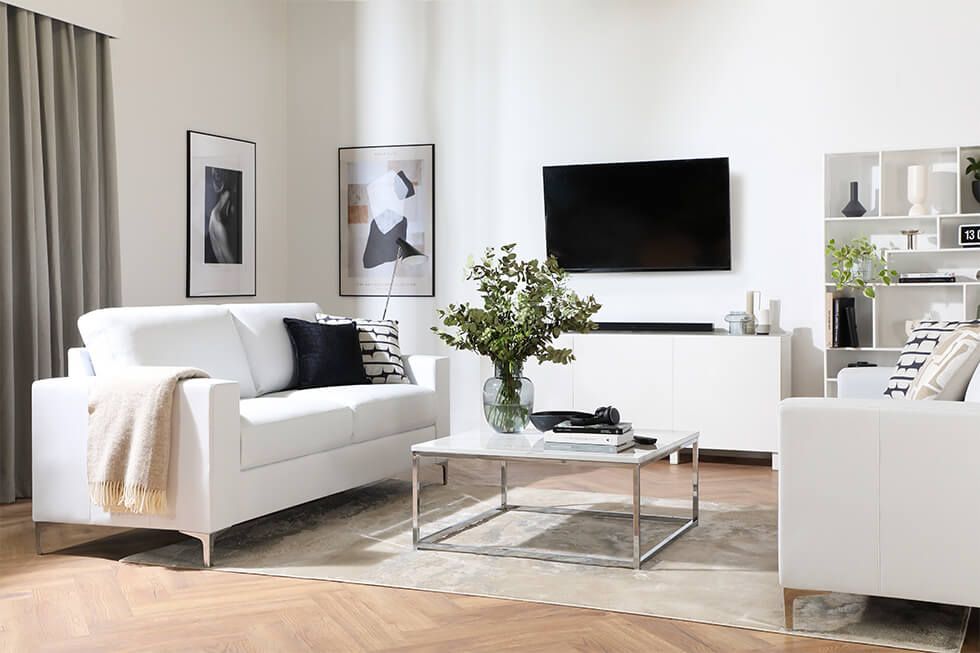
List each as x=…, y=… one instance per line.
x=587, y=448
x=613, y=439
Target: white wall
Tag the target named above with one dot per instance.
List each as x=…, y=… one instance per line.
x=504, y=87
x=218, y=67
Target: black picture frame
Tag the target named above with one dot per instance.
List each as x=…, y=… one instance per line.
x=430, y=246
x=189, y=291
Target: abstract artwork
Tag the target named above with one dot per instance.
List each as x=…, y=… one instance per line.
x=220, y=216
x=386, y=194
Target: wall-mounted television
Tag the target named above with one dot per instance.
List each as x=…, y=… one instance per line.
x=649, y=215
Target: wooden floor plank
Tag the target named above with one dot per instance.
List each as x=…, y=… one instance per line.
x=82, y=600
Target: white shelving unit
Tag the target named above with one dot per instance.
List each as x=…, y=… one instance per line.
x=882, y=190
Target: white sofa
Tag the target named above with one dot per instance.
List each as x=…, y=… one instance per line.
x=879, y=496
x=243, y=445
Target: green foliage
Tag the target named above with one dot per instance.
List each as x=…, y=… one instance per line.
x=852, y=260
x=973, y=168
x=526, y=305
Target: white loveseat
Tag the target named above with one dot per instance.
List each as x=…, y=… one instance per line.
x=879, y=496
x=243, y=445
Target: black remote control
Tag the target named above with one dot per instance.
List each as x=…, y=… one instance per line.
x=647, y=440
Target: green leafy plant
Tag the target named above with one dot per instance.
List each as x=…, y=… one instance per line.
x=526, y=306
x=973, y=168
x=854, y=261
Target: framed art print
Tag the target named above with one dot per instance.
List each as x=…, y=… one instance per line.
x=386, y=193
x=220, y=216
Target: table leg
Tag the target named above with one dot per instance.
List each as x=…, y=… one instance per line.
x=416, y=500
x=503, y=484
x=636, y=517
x=695, y=482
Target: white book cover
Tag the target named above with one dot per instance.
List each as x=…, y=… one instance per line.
x=589, y=438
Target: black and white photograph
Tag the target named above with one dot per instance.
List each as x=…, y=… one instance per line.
x=223, y=216
x=220, y=216
x=386, y=195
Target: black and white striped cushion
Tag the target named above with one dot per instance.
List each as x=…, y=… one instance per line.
x=380, y=351
x=924, y=339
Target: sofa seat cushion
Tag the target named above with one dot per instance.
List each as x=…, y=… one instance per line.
x=201, y=336
x=381, y=410
x=291, y=424
x=266, y=343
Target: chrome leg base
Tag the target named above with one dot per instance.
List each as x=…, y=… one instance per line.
x=207, y=544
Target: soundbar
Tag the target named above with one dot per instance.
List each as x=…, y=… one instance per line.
x=686, y=327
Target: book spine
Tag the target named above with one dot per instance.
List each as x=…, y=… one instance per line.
x=597, y=439
x=611, y=430
x=835, y=318
x=584, y=448
x=852, y=325
x=829, y=319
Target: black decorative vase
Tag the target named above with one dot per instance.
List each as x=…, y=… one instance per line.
x=854, y=208
x=975, y=187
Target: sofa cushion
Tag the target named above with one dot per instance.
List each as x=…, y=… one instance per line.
x=291, y=424
x=381, y=410
x=380, y=350
x=326, y=354
x=266, y=343
x=949, y=368
x=201, y=336
x=924, y=338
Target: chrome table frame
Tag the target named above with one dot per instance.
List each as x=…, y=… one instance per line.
x=437, y=541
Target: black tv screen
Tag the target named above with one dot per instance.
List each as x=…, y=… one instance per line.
x=651, y=215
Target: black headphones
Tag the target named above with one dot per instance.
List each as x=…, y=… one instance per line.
x=602, y=415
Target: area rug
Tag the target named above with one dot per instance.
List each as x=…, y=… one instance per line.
x=722, y=572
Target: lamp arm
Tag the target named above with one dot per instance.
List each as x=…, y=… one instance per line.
x=391, y=285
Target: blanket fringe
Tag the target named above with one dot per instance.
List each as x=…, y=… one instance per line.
x=114, y=496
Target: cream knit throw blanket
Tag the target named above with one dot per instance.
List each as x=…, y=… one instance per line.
x=129, y=415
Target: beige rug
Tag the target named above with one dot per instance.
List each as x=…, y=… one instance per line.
x=722, y=572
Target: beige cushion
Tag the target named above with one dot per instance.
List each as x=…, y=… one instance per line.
x=947, y=371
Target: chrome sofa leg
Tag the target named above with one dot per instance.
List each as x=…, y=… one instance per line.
x=445, y=471
x=207, y=544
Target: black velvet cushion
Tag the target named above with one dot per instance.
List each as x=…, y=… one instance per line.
x=325, y=354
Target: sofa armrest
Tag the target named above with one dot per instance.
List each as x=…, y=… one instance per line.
x=432, y=372
x=204, y=455
x=864, y=487
x=863, y=382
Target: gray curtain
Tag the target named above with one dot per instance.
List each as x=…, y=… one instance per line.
x=58, y=213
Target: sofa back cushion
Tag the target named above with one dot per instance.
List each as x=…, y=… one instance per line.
x=202, y=336
x=267, y=347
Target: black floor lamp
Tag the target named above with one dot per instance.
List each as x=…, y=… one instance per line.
x=404, y=250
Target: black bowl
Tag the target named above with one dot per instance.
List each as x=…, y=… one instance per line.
x=549, y=419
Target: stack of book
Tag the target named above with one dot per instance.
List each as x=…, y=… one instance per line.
x=598, y=438
x=841, y=322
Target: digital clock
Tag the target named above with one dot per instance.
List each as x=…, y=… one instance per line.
x=970, y=235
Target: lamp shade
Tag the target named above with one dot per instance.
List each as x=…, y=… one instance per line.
x=406, y=249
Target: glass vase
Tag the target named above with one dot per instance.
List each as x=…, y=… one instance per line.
x=508, y=398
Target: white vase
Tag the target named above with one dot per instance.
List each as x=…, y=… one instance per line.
x=918, y=184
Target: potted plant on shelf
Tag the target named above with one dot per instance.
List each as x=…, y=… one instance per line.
x=859, y=264
x=974, y=169
x=526, y=306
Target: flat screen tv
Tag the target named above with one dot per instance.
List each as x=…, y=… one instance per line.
x=650, y=215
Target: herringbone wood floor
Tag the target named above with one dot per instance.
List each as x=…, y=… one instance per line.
x=81, y=599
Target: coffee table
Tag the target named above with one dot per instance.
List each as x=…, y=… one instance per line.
x=529, y=447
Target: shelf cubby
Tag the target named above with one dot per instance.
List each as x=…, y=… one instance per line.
x=942, y=165
x=841, y=170
x=968, y=203
x=897, y=305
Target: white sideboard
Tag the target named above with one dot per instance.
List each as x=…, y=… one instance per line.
x=727, y=387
